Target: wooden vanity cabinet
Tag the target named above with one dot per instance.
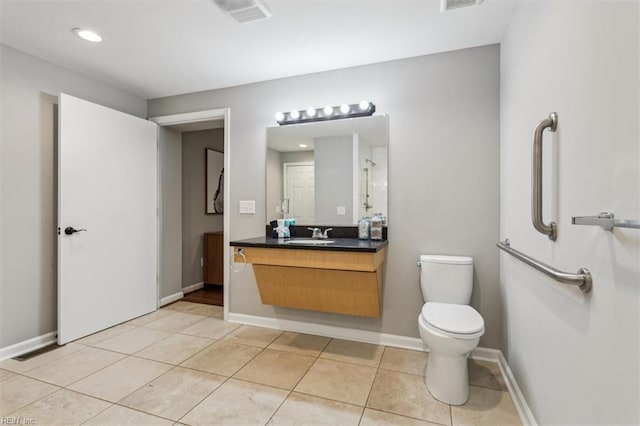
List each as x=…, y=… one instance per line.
x=340, y=282
x=213, y=258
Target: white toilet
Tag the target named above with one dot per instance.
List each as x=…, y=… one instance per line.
x=448, y=325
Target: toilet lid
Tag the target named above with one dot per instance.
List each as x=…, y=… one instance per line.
x=459, y=319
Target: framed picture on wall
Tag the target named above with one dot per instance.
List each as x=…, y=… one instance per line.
x=214, y=191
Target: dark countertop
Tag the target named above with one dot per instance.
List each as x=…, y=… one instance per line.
x=341, y=244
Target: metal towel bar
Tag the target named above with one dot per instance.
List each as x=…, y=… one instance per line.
x=582, y=279
x=550, y=230
x=606, y=220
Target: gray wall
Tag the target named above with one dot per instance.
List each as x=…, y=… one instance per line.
x=194, y=220
x=28, y=299
x=171, y=211
x=443, y=171
x=275, y=186
x=334, y=179
x=576, y=359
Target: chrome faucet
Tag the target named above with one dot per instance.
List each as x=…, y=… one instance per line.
x=317, y=233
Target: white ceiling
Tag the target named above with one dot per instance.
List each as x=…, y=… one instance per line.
x=156, y=48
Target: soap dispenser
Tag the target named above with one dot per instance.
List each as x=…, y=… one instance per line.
x=363, y=228
x=282, y=230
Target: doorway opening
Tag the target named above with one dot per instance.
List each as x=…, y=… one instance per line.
x=193, y=201
x=299, y=189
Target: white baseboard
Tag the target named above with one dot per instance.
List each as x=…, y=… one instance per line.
x=404, y=342
x=27, y=346
x=486, y=354
x=356, y=335
x=193, y=287
x=526, y=416
x=171, y=298
x=365, y=336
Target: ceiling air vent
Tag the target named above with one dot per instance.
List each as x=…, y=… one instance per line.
x=457, y=4
x=244, y=10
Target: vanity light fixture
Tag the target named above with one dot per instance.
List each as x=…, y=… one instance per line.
x=87, y=35
x=362, y=109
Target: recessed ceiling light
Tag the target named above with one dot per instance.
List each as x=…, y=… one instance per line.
x=302, y=145
x=87, y=35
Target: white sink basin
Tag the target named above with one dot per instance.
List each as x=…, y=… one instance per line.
x=309, y=242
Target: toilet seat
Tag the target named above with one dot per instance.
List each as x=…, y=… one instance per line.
x=457, y=321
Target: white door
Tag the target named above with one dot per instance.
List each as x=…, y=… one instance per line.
x=107, y=189
x=300, y=190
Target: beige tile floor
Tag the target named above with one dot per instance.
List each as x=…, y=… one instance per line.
x=184, y=365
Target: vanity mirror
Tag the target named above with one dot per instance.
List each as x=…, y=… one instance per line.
x=329, y=172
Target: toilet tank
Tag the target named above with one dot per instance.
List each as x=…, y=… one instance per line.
x=446, y=279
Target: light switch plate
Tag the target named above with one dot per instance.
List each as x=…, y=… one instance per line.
x=247, y=206
x=342, y=210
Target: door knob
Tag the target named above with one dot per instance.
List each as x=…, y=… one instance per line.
x=70, y=230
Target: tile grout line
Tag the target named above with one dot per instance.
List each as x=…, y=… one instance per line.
x=226, y=379
x=200, y=402
x=221, y=384
x=273, y=386
x=157, y=415
x=48, y=362
x=118, y=403
x=85, y=376
x=292, y=390
x=66, y=387
x=279, y=406
x=33, y=402
x=398, y=414
x=375, y=376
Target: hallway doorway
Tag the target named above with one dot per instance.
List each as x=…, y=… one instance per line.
x=187, y=222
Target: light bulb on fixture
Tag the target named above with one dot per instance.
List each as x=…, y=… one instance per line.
x=87, y=35
x=363, y=109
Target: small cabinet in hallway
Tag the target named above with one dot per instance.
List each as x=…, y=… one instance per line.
x=213, y=258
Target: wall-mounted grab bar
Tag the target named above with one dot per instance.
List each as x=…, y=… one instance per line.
x=582, y=279
x=550, y=230
x=606, y=220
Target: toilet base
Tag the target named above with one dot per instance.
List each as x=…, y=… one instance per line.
x=447, y=378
